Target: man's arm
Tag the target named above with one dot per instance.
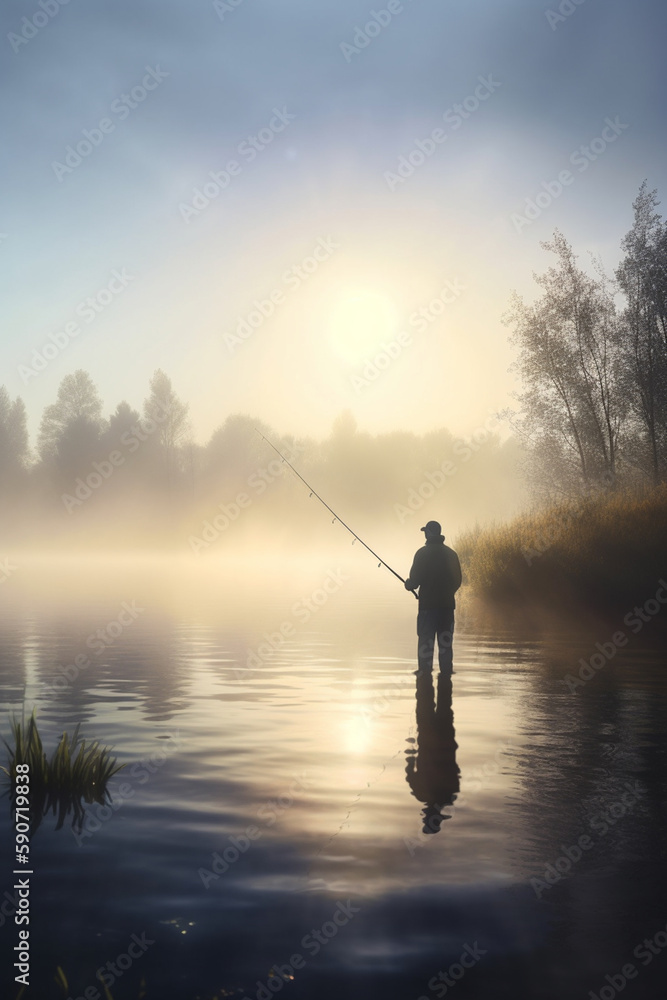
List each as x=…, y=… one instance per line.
x=415, y=575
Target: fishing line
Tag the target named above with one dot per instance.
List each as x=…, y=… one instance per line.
x=314, y=493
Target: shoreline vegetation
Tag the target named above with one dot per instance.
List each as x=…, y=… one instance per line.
x=592, y=419
x=600, y=554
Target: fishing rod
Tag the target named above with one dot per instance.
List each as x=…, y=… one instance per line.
x=314, y=493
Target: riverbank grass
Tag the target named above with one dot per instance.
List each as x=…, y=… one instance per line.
x=602, y=552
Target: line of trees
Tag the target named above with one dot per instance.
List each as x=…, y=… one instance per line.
x=137, y=477
x=73, y=434
x=593, y=365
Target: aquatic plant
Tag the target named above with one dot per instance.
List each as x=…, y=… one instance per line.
x=61, y=981
x=78, y=770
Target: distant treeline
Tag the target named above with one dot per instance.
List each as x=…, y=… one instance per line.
x=594, y=369
x=137, y=478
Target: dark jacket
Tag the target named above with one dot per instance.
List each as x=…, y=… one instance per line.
x=436, y=570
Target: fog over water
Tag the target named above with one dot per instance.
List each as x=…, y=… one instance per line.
x=125, y=479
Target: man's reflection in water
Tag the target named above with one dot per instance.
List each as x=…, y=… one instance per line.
x=432, y=771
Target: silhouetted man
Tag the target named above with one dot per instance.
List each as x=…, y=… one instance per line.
x=437, y=572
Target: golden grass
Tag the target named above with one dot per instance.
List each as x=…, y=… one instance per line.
x=604, y=551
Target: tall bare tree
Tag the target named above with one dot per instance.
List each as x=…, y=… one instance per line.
x=569, y=361
x=642, y=275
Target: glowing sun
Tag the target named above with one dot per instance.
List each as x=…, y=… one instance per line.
x=358, y=323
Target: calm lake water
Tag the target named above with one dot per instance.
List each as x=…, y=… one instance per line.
x=267, y=835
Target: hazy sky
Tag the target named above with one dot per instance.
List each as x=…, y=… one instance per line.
x=314, y=209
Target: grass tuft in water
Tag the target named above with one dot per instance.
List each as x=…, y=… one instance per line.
x=77, y=772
